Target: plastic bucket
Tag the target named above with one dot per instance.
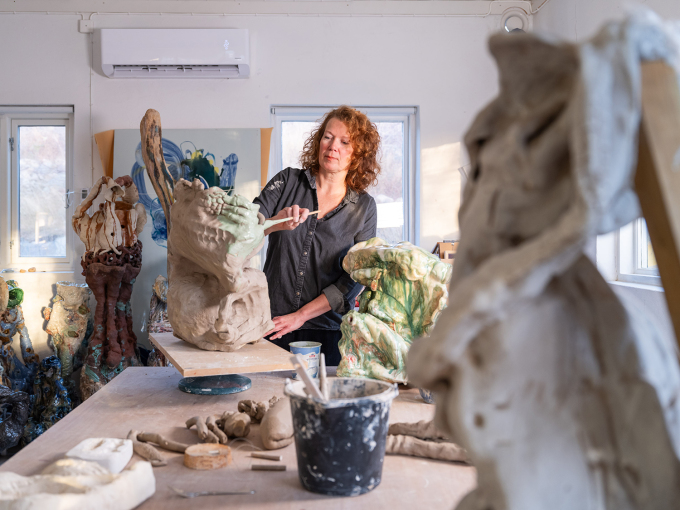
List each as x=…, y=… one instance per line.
x=341, y=444
x=310, y=352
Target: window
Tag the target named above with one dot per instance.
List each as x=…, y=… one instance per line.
x=35, y=228
x=636, y=260
x=396, y=191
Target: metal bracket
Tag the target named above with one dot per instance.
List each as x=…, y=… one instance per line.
x=11, y=144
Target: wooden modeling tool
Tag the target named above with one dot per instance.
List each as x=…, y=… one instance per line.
x=270, y=223
x=268, y=467
x=311, y=388
x=266, y=456
x=290, y=217
x=323, y=381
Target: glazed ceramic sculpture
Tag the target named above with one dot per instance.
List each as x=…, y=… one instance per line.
x=406, y=289
x=16, y=407
x=16, y=375
x=49, y=400
x=158, y=319
x=215, y=300
x=563, y=396
x=111, y=263
x=69, y=326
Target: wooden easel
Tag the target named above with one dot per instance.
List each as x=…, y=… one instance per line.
x=657, y=180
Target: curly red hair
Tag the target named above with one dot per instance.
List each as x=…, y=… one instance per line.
x=364, y=167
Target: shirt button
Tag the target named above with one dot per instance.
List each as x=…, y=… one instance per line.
x=297, y=293
x=305, y=253
x=301, y=273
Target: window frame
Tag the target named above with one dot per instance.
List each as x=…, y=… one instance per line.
x=11, y=117
x=410, y=172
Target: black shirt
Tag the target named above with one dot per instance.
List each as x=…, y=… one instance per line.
x=305, y=262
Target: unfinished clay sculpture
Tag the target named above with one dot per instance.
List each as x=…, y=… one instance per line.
x=71, y=484
x=69, y=326
x=277, y=425
x=215, y=300
x=406, y=290
x=112, y=261
x=16, y=375
x=422, y=439
x=256, y=410
x=562, y=398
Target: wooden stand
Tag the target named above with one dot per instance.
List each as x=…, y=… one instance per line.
x=215, y=372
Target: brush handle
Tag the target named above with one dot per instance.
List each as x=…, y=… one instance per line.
x=271, y=223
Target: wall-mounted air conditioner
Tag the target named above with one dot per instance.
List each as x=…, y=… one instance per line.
x=175, y=53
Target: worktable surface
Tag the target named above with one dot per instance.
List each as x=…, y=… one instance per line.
x=147, y=399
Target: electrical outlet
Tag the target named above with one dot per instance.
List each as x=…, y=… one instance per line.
x=85, y=26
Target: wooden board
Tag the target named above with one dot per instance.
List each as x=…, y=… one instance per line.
x=191, y=361
x=147, y=399
x=657, y=180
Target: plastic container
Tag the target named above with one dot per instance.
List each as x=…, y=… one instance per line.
x=310, y=352
x=341, y=444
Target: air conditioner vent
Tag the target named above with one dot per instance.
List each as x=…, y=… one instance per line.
x=175, y=71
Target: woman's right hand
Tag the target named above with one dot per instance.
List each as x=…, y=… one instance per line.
x=298, y=214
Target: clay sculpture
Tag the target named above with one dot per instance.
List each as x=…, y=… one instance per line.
x=72, y=484
x=422, y=439
x=158, y=319
x=16, y=408
x=562, y=398
x=406, y=290
x=277, y=425
x=16, y=375
x=215, y=301
x=111, y=262
x=256, y=410
x=69, y=326
x=49, y=399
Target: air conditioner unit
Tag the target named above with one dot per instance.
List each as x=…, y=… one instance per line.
x=175, y=53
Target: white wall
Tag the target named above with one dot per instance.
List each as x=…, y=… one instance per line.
x=439, y=64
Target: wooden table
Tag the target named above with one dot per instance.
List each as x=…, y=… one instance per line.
x=191, y=361
x=147, y=399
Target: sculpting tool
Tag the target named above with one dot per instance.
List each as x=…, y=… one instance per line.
x=189, y=494
x=268, y=467
x=290, y=217
x=266, y=456
x=304, y=376
x=323, y=382
x=270, y=223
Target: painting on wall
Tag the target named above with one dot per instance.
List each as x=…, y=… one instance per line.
x=229, y=158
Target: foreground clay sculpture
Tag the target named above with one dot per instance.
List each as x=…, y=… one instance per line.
x=112, y=261
x=215, y=301
x=406, y=290
x=16, y=375
x=71, y=484
x=69, y=326
x=562, y=398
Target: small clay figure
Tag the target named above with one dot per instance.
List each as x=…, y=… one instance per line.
x=406, y=290
x=235, y=424
x=277, y=425
x=70, y=325
x=422, y=439
x=15, y=374
x=204, y=433
x=256, y=410
x=146, y=450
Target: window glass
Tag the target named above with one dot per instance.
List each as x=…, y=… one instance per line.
x=42, y=191
x=388, y=193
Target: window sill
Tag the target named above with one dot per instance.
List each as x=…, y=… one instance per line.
x=641, y=286
x=7, y=275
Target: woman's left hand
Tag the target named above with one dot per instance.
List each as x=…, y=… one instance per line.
x=285, y=324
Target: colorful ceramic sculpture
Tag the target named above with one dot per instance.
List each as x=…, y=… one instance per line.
x=406, y=289
x=69, y=326
x=49, y=402
x=111, y=263
x=15, y=408
x=16, y=375
x=158, y=319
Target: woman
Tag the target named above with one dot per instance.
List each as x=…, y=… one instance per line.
x=308, y=289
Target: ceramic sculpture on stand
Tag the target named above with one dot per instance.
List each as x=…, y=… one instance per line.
x=562, y=397
x=17, y=409
x=112, y=260
x=69, y=326
x=406, y=290
x=215, y=300
x=16, y=375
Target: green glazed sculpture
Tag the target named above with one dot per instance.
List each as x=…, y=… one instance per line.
x=406, y=290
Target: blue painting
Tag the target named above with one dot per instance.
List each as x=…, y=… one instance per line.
x=183, y=162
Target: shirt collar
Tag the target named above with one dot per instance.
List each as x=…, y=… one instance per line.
x=350, y=196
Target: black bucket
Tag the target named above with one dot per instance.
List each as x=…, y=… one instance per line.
x=341, y=444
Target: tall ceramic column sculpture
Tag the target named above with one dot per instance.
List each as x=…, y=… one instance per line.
x=112, y=260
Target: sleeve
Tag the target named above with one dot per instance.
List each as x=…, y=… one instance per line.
x=271, y=194
x=342, y=293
